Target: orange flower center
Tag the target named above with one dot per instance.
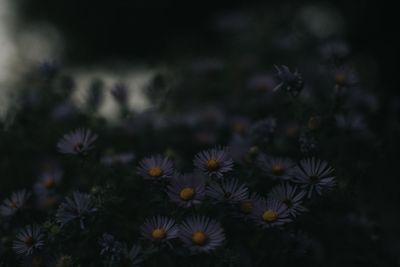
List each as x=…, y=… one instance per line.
x=50, y=183
x=270, y=216
x=341, y=79
x=212, y=165
x=199, y=238
x=187, y=193
x=78, y=147
x=277, y=169
x=246, y=207
x=29, y=241
x=158, y=233
x=155, y=171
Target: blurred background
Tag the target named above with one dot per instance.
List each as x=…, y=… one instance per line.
x=132, y=41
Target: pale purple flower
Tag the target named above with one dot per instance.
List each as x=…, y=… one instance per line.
x=314, y=175
x=159, y=229
x=16, y=202
x=270, y=213
x=155, y=168
x=214, y=162
x=227, y=191
x=29, y=240
x=187, y=190
x=289, y=81
x=201, y=234
x=276, y=168
x=77, y=142
x=291, y=196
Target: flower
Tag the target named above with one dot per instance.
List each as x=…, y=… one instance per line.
x=187, y=190
x=159, y=229
x=290, y=196
x=77, y=142
x=291, y=82
x=314, y=175
x=132, y=257
x=155, y=168
x=48, y=181
x=29, y=240
x=213, y=162
x=79, y=207
x=117, y=252
x=15, y=203
x=229, y=191
x=270, y=213
x=276, y=168
x=201, y=234
x=243, y=209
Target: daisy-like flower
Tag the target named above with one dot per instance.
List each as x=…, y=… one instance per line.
x=228, y=191
x=201, y=234
x=29, y=240
x=187, y=190
x=276, y=168
x=132, y=257
x=244, y=208
x=270, y=213
x=78, y=207
x=111, y=248
x=159, y=229
x=314, y=175
x=48, y=181
x=213, y=162
x=289, y=81
x=155, y=168
x=77, y=142
x=16, y=202
x=290, y=196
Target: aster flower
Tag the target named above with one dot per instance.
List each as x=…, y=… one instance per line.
x=15, y=203
x=187, y=190
x=48, y=181
x=77, y=142
x=213, y=162
x=201, y=234
x=290, y=196
x=228, y=191
x=155, y=168
x=314, y=175
x=132, y=257
x=78, y=207
x=270, y=213
x=29, y=240
x=276, y=168
x=159, y=229
x=244, y=208
x=291, y=82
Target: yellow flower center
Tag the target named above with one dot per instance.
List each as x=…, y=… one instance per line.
x=199, y=238
x=270, y=216
x=187, y=193
x=155, y=171
x=212, y=165
x=277, y=169
x=246, y=207
x=158, y=233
